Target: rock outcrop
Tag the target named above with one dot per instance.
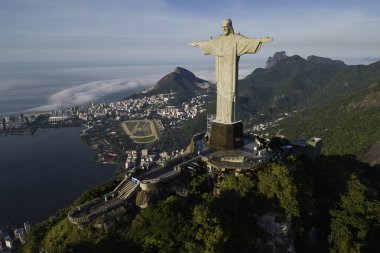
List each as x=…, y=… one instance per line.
x=273, y=60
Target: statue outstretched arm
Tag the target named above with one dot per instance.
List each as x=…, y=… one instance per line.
x=251, y=45
x=207, y=47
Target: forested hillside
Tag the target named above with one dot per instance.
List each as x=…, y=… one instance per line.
x=320, y=207
x=295, y=83
x=348, y=126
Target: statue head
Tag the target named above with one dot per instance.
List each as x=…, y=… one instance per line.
x=227, y=27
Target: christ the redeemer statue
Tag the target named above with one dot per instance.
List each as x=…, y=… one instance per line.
x=227, y=49
x=226, y=132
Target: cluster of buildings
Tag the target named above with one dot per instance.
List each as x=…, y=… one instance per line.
x=127, y=108
x=152, y=107
x=93, y=112
x=16, y=123
x=8, y=241
x=147, y=159
x=24, y=122
x=188, y=110
x=59, y=118
x=262, y=128
x=131, y=161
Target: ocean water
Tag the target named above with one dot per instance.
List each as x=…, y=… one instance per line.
x=44, y=172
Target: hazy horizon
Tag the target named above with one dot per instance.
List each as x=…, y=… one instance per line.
x=45, y=86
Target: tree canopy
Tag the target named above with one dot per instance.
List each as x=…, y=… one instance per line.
x=276, y=181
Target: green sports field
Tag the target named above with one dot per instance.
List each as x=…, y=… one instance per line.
x=141, y=131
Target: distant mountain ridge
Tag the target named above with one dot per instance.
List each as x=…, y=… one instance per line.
x=279, y=56
x=323, y=60
x=296, y=83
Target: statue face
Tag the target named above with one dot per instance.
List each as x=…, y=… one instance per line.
x=226, y=30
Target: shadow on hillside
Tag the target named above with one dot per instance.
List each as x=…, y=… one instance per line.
x=111, y=244
x=326, y=180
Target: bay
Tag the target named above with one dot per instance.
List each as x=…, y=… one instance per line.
x=41, y=173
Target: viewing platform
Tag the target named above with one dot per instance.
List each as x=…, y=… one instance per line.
x=127, y=189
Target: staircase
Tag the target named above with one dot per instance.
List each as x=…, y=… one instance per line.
x=127, y=190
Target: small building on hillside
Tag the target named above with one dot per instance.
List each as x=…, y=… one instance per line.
x=313, y=148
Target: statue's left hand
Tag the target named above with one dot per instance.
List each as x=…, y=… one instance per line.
x=193, y=44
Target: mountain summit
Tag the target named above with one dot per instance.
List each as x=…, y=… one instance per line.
x=186, y=73
x=273, y=60
x=181, y=81
x=180, y=78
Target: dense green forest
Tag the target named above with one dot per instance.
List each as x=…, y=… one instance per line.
x=328, y=205
x=347, y=126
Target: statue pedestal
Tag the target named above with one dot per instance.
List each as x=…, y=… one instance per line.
x=226, y=136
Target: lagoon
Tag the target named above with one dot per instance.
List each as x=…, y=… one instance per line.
x=44, y=172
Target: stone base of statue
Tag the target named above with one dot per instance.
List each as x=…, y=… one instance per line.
x=226, y=136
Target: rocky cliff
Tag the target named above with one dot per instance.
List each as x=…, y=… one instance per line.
x=273, y=60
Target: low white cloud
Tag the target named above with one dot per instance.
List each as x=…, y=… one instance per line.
x=94, y=91
x=87, y=93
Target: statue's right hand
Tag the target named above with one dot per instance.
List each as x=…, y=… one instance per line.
x=193, y=44
x=266, y=39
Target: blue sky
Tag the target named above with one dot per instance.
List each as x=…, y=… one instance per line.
x=158, y=31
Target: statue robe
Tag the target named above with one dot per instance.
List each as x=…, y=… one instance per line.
x=227, y=49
